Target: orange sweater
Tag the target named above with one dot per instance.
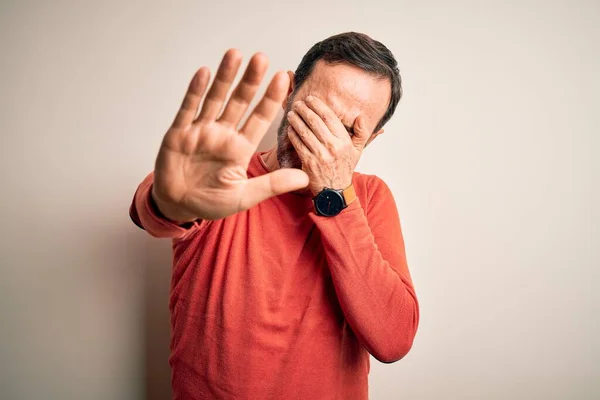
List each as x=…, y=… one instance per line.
x=277, y=302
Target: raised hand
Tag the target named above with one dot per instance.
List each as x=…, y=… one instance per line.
x=200, y=170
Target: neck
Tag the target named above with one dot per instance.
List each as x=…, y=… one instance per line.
x=270, y=159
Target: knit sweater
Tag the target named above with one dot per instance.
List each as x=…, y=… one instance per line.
x=277, y=302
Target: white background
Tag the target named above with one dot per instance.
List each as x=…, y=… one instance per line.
x=489, y=157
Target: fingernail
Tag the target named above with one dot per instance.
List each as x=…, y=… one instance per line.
x=309, y=98
x=290, y=114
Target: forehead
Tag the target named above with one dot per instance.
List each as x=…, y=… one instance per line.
x=348, y=91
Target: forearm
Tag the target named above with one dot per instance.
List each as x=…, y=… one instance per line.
x=375, y=294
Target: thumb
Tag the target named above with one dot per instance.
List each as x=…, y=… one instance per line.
x=272, y=184
x=361, y=134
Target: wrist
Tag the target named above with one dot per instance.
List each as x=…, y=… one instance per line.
x=316, y=189
x=330, y=202
x=170, y=211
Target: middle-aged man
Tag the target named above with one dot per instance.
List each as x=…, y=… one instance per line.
x=289, y=267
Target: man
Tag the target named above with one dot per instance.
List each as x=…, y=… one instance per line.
x=289, y=267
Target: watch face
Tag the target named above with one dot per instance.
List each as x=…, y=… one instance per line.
x=329, y=203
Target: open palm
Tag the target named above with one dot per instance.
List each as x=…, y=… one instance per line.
x=200, y=171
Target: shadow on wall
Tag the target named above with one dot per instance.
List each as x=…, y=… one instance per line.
x=155, y=260
x=157, y=263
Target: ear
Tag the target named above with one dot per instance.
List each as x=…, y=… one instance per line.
x=373, y=136
x=290, y=91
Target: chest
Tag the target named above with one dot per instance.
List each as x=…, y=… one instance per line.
x=265, y=267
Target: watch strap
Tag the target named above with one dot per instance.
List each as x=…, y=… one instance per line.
x=349, y=195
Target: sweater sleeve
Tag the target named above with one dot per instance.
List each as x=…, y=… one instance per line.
x=367, y=260
x=146, y=215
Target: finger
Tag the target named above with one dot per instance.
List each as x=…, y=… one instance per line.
x=304, y=132
x=189, y=107
x=245, y=90
x=327, y=115
x=272, y=184
x=220, y=87
x=314, y=122
x=266, y=110
x=301, y=149
x=361, y=133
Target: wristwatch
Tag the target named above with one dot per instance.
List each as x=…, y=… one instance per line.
x=330, y=202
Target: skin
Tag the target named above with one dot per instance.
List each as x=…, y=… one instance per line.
x=329, y=121
x=200, y=169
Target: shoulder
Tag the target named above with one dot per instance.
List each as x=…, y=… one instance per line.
x=369, y=185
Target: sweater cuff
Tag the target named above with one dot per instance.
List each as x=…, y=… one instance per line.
x=147, y=216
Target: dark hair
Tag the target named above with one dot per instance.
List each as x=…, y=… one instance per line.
x=361, y=51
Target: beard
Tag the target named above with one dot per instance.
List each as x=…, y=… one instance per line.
x=286, y=153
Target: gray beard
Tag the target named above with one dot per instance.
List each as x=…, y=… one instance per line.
x=286, y=153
